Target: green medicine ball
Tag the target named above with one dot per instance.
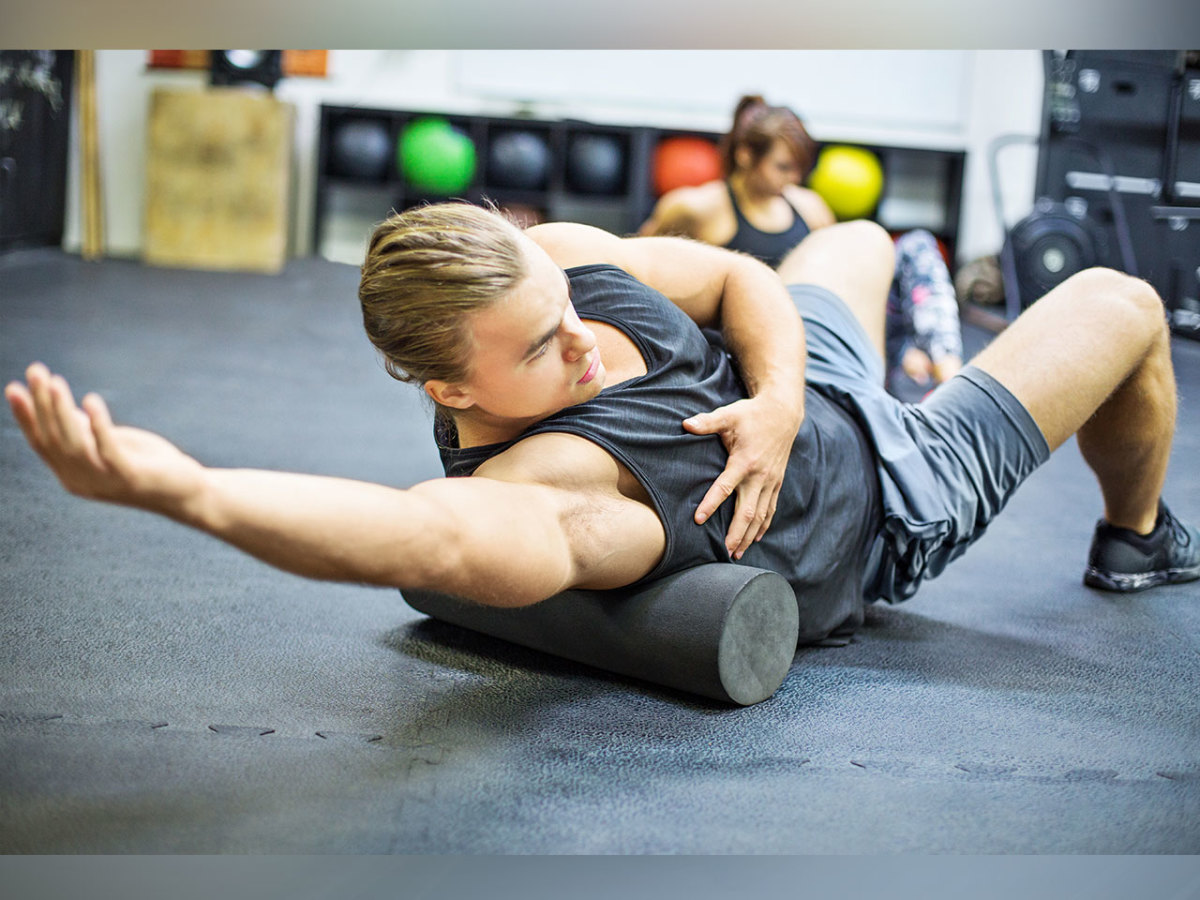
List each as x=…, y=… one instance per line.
x=435, y=157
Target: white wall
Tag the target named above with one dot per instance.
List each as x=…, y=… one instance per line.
x=1006, y=98
x=939, y=99
x=905, y=91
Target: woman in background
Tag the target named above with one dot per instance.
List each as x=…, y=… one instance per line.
x=760, y=208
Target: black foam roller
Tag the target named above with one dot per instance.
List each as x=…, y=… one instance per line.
x=720, y=630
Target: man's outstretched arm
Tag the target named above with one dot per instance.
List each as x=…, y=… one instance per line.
x=492, y=541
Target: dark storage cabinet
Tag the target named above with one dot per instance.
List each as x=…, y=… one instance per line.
x=35, y=117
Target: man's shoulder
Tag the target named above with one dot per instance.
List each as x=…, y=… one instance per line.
x=612, y=529
x=593, y=480
x=554, y=459
x=572, y=244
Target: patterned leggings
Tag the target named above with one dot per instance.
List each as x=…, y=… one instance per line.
x=922, y=309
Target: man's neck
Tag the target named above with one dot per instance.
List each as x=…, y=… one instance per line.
x=477, y=428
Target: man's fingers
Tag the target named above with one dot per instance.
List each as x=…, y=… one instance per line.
x=753, y=471
x=102, y=425
x=66, y=415
x=718, y=493
x=704, y=423
x=54, y=425
x=742, y=529
x=37, y=376
x=769, y=507
x=53, y=422
x=747, y=520
x=735, y=538
x=20, y=401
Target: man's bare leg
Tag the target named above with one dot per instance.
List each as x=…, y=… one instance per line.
x=1093, y=358
x=854, y=260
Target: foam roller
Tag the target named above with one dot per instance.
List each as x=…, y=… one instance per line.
x=719, y=630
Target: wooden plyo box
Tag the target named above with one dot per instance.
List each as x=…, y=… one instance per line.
x=218, y=171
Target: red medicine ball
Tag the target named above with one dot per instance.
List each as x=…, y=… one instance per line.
x=685, y=162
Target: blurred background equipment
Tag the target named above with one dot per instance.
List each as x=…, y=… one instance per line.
x=1140, y=111
x=35, y=125
x=435, y=156
x=685, y=161
x=293, y=63
x=234, y=67
x=519, y=159
x=849, y=179
x=595, y=164
x=362, y=148
x=980, y=282
x=218, y=173
x=91, y=187
x=1055, y=240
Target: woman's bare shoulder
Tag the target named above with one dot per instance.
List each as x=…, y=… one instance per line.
x=812, y=206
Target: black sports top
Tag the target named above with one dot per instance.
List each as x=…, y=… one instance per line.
x=769, y=246
x=828, y=507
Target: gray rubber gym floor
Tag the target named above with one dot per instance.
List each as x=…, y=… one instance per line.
x=160, y=692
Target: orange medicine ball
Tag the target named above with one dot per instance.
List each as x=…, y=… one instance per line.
x=685, y=162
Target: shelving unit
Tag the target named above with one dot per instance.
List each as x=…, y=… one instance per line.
x=922, y=188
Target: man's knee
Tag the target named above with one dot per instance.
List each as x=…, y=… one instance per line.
x=853, y=245
x=1122, y=301
x=871, y=236
x=869, y=243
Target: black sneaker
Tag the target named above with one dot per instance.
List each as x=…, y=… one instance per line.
x=1123, y=560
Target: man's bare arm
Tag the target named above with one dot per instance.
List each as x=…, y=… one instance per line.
x=496, y=542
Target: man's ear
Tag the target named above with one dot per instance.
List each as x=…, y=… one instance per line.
x=445, y=393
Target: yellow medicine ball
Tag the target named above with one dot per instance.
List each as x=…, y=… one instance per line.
x=849, y=179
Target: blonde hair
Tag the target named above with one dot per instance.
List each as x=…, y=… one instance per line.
x=427, y=269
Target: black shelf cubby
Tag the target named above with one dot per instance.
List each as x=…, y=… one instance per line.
x=932, y=179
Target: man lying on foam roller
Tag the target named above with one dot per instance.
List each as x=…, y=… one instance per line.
x=606, y=397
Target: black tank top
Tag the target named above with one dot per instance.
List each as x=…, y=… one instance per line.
x=828, y=507
x=769, y=246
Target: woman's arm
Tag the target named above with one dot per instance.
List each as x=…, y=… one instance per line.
x=493, y=541
x=675, y=214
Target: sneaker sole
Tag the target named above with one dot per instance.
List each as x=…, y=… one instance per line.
x=1139, y=581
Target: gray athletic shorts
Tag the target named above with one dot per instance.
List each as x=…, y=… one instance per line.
x=946, y=465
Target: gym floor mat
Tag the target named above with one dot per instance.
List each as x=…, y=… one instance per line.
x=162, y=693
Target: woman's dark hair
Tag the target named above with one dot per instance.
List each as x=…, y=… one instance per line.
x=757, y=125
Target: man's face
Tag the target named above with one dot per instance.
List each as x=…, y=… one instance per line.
x=532, y=356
